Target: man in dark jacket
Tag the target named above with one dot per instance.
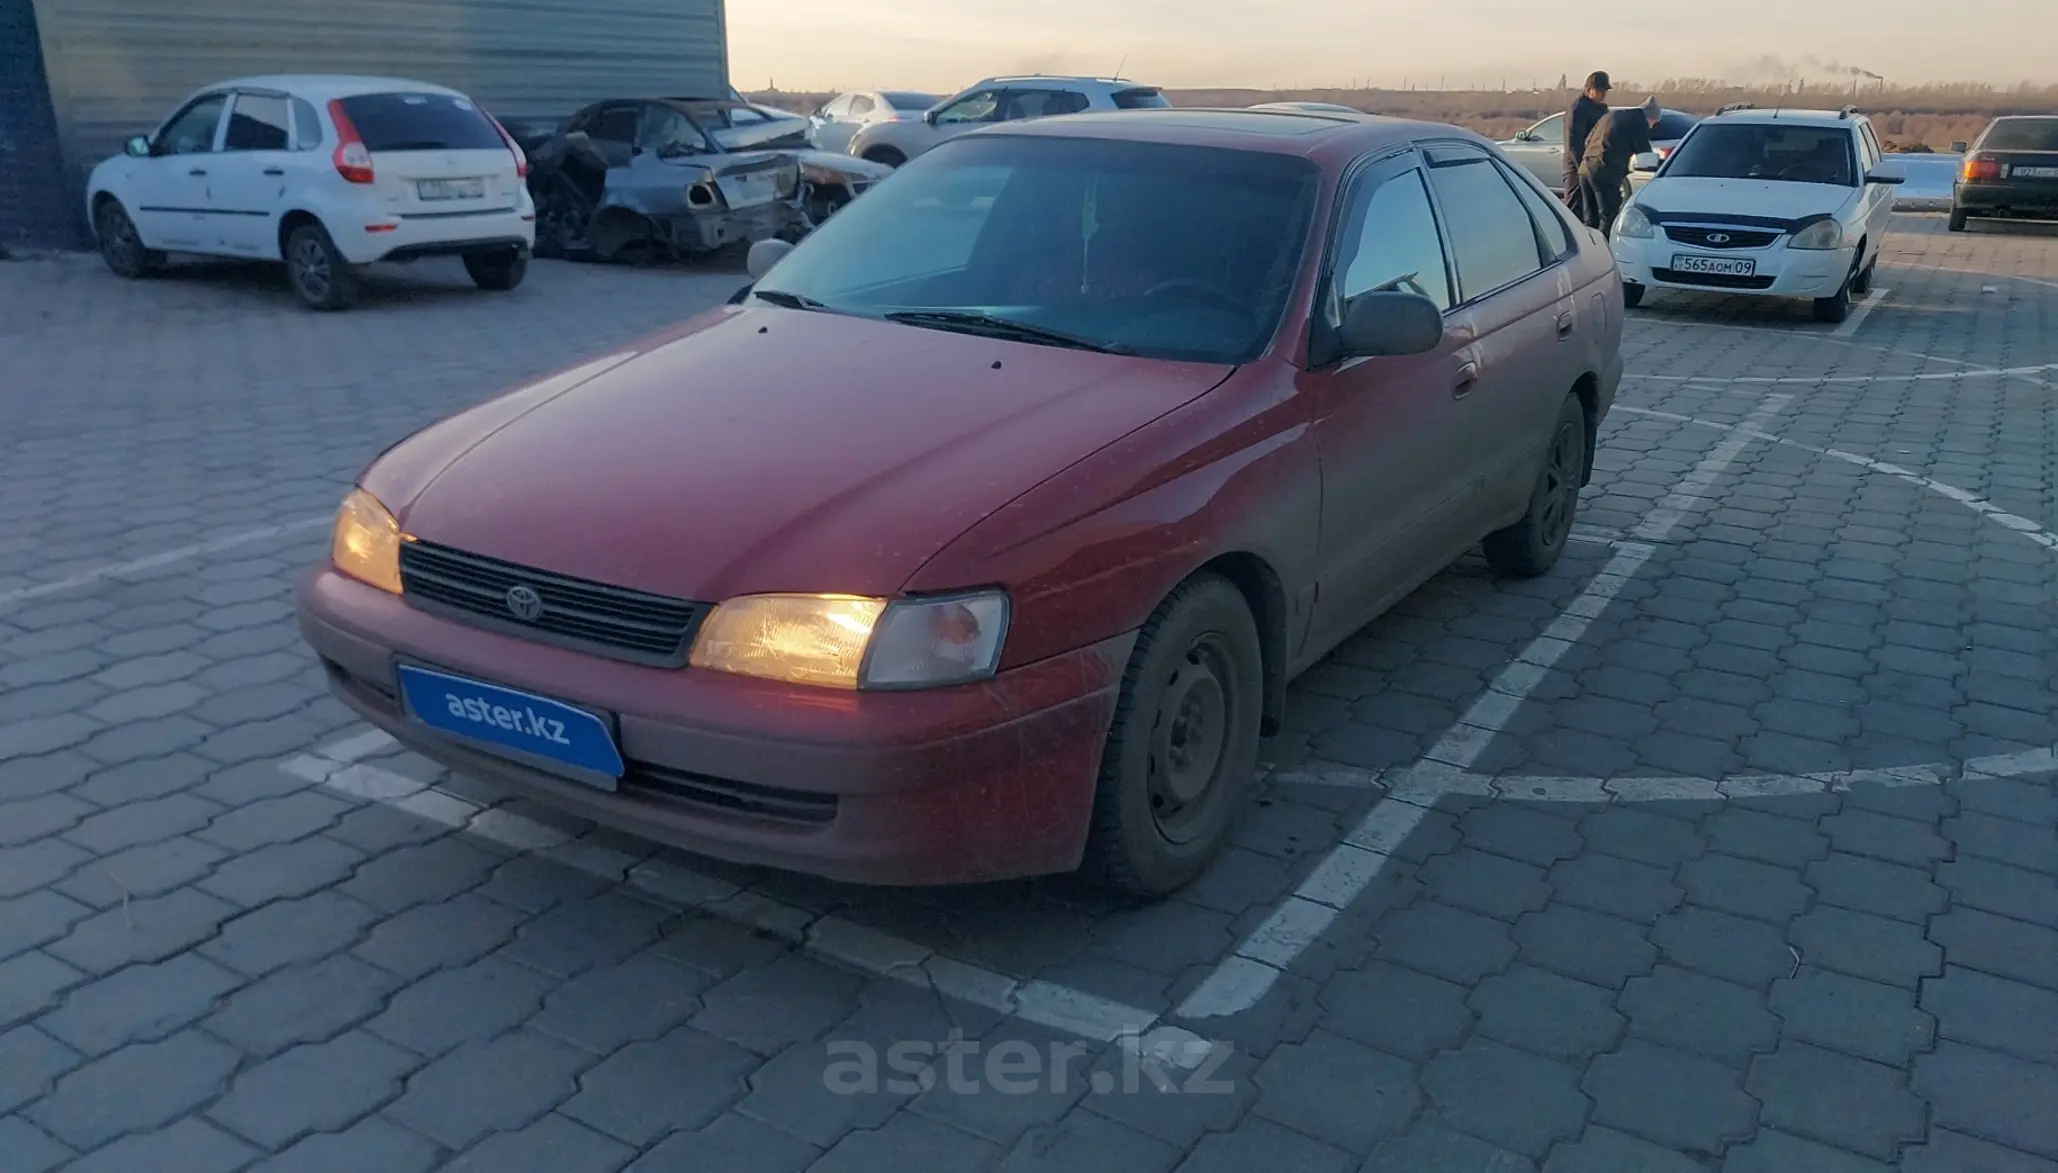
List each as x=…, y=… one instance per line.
x=1586, y=111
x=1616, y=141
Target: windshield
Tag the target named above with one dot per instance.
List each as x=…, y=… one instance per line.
x=420, y=122
x=1173, y=252
x=2022, y=134
x=913, y=103
x=1760, y=150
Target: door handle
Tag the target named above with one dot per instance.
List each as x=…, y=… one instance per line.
x=1565, y=324
x=1468, y=378
x=197, y=171
x=275, y=171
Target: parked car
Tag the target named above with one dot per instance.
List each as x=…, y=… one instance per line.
x=837, y=121
x=2009, y=173
x=1541, y=148
x=325, y=173
x=998, y=99
x=982, y=539
x=651, y=176
x=1768, y=203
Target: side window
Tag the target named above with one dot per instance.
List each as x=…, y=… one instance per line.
x=1550, y=130
x=192, y=131
x=1551, y=234
x=979, y=107
x=1390, y=242
x=1492, y=237
x=615, y=124
x=307, y=126
x=258, y=122
x=1042, y=103
x=861, y=106
x=837, y=108
x=665, y=131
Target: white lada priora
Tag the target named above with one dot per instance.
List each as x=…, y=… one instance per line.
x=1768, y=203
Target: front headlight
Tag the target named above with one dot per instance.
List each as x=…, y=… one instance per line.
x=1634, y=224
x=847, y=641
x=366, y=544
x=1821, y=235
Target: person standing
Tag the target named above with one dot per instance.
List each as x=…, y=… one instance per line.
x=1587, y=110
x=1616, y=141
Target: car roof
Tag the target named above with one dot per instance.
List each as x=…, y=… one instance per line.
x=1286, y=132
x=1110, y=83
x=326, y=85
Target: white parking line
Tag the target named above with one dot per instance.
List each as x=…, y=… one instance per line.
x=154, y=561
x=1243, y=978
x=340, y=768
x=1859, y=312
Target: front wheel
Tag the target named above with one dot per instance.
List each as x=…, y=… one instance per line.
x=1181, y=758
x=121, y=246
x=318, y=271
x=1836, y=307
x=1632, y=295
x=1531, y=546
x=498, y=272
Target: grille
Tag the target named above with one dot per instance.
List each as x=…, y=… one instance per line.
x=1737, y=237
x=1712, y=280
x=679, y=788
x=587, y=616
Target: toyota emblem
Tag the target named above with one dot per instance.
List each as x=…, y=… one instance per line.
x=524, y=603
x=1718, y=238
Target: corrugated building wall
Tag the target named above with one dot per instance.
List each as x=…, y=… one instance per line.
x=34, y=211
x=117, y=67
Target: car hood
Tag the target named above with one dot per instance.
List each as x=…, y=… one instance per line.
x=1772, y=198
x=762, y=449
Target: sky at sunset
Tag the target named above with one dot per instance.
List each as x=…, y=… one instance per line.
x=942, y=45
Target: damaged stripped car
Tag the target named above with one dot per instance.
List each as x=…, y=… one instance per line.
x=662, y=178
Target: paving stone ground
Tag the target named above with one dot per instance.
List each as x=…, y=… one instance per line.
x=209, y=964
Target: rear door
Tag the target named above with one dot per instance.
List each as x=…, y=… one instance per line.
x=247, y=183
x=434, y=156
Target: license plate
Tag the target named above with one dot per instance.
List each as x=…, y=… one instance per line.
x=2037, y=172
x=1715, y=266
x=545, y=732
x=451, y=189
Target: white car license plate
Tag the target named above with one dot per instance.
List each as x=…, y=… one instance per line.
x=2037, y=172
x=1715, y=266
x=451, y=189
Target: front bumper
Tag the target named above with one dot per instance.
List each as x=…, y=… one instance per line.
x=1778, y=271
x=983, y=782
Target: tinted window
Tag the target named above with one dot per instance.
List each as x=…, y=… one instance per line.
x=1491, y=235
x=912, y=102
x=1392, y=243
x=2022, y=134
x=1764, y=150
x=1140, y=99
x=192, y=132
x=979, y=107
x=616, y=124
x=1545, y=210
x=1672, y=125
x=861, y=106
x=1173, y=252
x=307, y=126
x=1042, y=103
x=258, y=122
x=420, y=122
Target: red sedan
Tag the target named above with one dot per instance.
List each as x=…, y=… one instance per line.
x=980, y=538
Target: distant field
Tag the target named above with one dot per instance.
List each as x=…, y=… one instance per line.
x=1928, y=118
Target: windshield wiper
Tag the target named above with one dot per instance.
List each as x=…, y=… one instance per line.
x=792, y=301
x=988, y=326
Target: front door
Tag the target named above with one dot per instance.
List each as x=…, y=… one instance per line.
x=169, y=192
x=247, y=180
x=1386, y=428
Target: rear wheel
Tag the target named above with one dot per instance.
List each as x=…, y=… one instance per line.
x=1957, y=223
x=1181, y=757
x=121, y=246
x=499, y=271
x=887, y=155
x=318, y=272
x=1532, y=545
x=1632, y=295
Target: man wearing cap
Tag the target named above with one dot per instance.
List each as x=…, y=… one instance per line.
x=1616, y=141
x=1586, y=111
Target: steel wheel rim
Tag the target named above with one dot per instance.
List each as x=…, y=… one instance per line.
x=1189, y=742
x=311, y=268
x=120, y=235
x=1561, y=484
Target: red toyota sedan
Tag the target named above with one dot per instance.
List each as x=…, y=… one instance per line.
x=980, y=537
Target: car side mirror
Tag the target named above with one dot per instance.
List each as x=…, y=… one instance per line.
x=137, y=148
x=1958, y=148
x=1389, y=324
x=1885, y=177
x=765, y=254
x=929, y=116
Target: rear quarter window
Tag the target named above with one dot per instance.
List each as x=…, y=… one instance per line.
x=420, y=122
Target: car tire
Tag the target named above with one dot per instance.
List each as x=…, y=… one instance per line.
x=1181, y=759
x=1632, y=295
x=497, y=272
x=1862, y=283
x=317, y=270
x=1532, y=546
x=1836, y=307
x=1957, y=221
x=121, y=246
x=890, y=156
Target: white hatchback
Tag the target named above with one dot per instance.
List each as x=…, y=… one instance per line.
x=1768, y=203
x=324, y=173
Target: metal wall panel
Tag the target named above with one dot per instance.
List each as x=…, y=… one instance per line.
x=119, y=66
x=35, y=200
